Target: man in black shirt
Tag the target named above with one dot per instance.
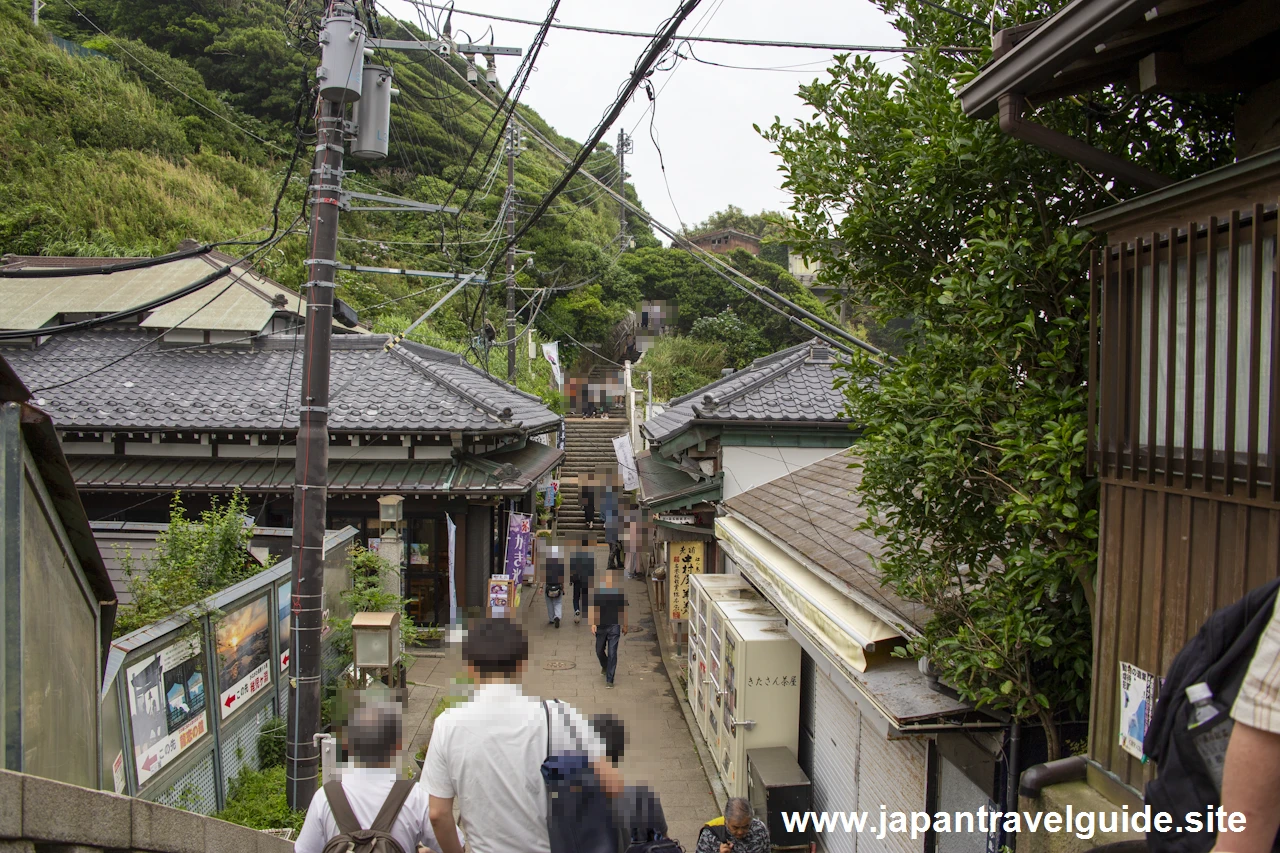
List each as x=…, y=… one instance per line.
x=608, y=624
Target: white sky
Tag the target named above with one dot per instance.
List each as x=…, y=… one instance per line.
x=704, y=113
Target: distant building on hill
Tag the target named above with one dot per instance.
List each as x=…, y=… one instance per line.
x=726, y=240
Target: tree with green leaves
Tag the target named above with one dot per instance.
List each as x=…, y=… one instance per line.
x=193, y=559
x=973, y=446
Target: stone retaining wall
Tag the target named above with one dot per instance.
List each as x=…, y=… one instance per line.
x=41, y=816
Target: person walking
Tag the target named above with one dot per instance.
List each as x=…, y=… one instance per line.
x=589, y=501
x=371, y=790
x=738, y=831
x=638, y=812
x=582, y=570
x=486, y=754
x=608, y=624
x=553, y=585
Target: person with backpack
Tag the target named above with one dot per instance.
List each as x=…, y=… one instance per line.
x=642, y=826
x=739, y=831
x=1251, y=774
x=369, y=810
x=553, y=585
x=502, y=754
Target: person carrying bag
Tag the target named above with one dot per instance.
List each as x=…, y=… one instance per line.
x=579, y=817
x=351, y=837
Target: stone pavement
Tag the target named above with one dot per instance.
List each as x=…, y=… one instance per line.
x=563, y=665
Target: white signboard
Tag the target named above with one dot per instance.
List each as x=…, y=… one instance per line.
x=117, y=772
x=1138, y=693
x=626, y=462
x=166, y=705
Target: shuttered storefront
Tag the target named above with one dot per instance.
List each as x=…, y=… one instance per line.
x=854, y=768
x=835, y=759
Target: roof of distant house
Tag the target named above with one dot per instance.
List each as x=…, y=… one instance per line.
x=815, y=512
x=246, y=306
x=794, y=385
x=731, y=232
x=411, y=388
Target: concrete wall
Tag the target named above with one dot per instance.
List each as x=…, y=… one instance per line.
x=49, y=628
x=748, y=467
x=35, y=811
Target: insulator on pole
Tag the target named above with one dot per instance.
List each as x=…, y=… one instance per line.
x=372, y=114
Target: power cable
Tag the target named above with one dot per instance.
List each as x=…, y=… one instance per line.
x=638, y=75
x=852, y=48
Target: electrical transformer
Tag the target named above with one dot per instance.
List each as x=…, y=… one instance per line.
x=372, y=115
x=341, y=56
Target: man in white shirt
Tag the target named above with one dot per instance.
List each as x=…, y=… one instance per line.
x=374, y=740
x=487, y=753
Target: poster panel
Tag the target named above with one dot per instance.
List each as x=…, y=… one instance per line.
x=686, y=559
x=499, y=595
x=284, y=608
x=166, y=705
x=1138, y=691
x=244, y=655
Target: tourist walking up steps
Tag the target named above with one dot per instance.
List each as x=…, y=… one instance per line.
x=369, y=796
x=486, y=754
x=608, y=624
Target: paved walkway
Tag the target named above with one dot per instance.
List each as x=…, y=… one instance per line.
x=563, y=665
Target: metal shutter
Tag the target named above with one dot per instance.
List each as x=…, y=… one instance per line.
x=837, y=728
x=892, y=773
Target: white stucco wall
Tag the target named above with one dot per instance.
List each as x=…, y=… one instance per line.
x=748, y=467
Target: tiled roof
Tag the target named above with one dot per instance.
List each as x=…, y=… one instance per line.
x=814, y=511
x=246, y=306
x=510, y=473
x=796, y=384
x=413, y=388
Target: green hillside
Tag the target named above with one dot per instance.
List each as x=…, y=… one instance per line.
x=179, y=122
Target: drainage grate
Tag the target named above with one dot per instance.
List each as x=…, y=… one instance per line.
x=558, y=664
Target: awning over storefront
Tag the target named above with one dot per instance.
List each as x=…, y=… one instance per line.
x=664, y=488
x=842, y=636
x=501, y=474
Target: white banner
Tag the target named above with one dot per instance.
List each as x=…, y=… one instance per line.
x=626, y=462
x=453, y=593
x=551, y=352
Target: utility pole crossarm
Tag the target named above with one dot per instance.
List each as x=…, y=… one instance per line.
x=444, y=47
x=391, y=203
x=413, y=273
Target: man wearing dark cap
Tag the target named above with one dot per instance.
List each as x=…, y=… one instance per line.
x=487, y=753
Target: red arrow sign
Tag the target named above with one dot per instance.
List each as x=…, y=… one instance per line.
x=230, y=699
x=284, y=659
x=149, y=763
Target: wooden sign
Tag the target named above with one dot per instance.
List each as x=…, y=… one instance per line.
x=685, y=558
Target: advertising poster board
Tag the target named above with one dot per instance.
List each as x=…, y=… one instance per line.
x=1138, y=692
x=284, y=609
x=166, y=705
x=499, y=596
x=244, y=656
x=519, y=546
x=686, y=559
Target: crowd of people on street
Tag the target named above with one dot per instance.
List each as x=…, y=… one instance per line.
x=486, y=776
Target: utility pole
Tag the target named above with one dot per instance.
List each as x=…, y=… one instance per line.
x=36, y=6
x=513, y=137
x=625, y=147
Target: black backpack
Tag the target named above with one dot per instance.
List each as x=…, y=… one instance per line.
x=579, y=819
x=1219, y=655
x=351, y=838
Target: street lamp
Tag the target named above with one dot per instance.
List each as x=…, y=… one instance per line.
x=375, y=642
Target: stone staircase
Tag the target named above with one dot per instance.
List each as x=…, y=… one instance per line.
x=588, y=445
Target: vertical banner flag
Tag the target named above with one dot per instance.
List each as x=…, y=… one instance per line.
x=453, y=592
x=519, y=538
x=551, y=352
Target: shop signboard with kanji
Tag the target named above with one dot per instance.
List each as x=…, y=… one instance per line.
x=166, y=705
x=685, y=559
x=244, y=656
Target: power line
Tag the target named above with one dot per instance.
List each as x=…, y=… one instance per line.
x=805, y=45
x=656, y=47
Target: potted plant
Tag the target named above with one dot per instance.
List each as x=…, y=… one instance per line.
x=432, y=636
x=419, y=758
